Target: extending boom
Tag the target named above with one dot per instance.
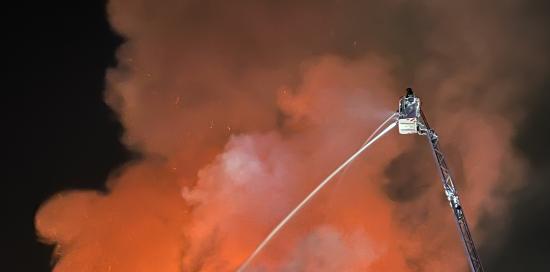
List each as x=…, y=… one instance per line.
x=412, y=121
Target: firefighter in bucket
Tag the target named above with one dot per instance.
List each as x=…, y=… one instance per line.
x=409, y=113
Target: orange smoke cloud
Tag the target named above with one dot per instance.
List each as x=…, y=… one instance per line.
x=240, y=109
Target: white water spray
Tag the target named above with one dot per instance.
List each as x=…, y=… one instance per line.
x=390, y=118
x=373, y=138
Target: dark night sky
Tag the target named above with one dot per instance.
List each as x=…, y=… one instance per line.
x=62, y=135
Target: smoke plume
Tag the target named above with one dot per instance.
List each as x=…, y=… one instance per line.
x=239, y=109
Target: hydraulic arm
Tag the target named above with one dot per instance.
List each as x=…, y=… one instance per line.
x=412, y=121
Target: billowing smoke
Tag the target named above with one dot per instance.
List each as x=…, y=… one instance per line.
x=239, y=109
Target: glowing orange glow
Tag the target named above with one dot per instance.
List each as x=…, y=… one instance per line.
x=239, y=110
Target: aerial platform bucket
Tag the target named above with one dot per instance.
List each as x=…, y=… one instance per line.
x=409, y=112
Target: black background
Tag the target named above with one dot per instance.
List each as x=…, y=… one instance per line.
x=60, y=134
